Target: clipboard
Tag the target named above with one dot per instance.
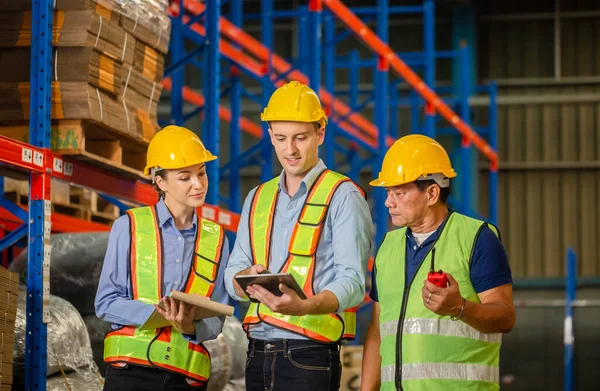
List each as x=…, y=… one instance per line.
x=270, y=281
x=205, y=308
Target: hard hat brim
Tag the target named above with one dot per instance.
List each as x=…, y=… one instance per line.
x=204, y=160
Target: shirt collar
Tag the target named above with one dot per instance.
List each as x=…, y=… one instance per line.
x=435, y=235
x=308, y=179
x=165, y=217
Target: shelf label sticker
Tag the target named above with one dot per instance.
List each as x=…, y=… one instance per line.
x=68, y=169
x=58, y=165
x=47, y=209
x=46, y=283
x=209, y=213
x=27, y=155
x=38, y=159
x=224, y=219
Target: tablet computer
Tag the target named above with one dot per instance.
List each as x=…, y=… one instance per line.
x=271, y=283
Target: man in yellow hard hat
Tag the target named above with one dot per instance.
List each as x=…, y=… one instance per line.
x=316, y=225
x=153, y=250
x=426, y=334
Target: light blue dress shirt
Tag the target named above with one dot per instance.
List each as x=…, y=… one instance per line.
x=114, y=302
x=342, y=255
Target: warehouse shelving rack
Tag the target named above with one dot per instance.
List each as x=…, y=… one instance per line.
x=203, y=24
x=193, y=21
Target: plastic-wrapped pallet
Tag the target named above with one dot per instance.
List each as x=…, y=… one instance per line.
x=75, y=267
x=68, y=341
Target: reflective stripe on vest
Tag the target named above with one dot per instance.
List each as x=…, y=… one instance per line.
x=165, y=348
x=432, y=352
x=301, y=258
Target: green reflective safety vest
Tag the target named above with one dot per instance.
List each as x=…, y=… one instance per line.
x=419, y=349
x=300, y=262
x=164, y=348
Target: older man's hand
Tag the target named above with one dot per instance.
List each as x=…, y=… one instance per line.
x=443, y=301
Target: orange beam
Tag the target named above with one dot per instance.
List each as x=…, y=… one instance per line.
x=378, y=46
x=227, y=49
x=197, y=99
x=258, y=49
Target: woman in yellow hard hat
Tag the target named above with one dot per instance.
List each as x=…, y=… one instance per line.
x=152, y=251
x=437, y=319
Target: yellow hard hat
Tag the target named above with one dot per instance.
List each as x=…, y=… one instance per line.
x=411, y=157
x=294, y=101
x=176, y=147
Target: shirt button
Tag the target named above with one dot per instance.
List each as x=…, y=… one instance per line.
x=285, y=232
x=178, y=260
x=180, y=238
x=415, y=248
x=176, y=282
x=281, y=258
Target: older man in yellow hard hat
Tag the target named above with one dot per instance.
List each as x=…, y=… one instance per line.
x=315, y=224
x=437, y=323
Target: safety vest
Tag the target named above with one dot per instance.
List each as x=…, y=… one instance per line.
x=419, y=349
x=300, y=262
x=164, y=348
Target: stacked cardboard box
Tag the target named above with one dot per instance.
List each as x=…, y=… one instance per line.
x=107, y=65
x=351, y=357
x=9, y=294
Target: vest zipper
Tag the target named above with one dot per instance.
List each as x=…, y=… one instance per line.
x=398, y=375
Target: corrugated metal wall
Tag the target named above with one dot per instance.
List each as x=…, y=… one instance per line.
x=549, y=141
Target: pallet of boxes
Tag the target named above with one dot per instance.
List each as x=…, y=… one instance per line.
x=108, y=61
x=351, y=358
x=9, y=291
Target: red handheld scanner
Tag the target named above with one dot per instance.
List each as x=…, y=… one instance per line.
x=437, y=278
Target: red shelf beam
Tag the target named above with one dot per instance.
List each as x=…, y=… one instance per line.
x=362, y=31
x=16, y=154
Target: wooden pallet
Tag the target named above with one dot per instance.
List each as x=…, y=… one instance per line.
x=98, y=146
x=67, y=200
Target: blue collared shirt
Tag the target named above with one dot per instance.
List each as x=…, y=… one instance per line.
x=342, y=255
x=489, y=264
x=114, y=302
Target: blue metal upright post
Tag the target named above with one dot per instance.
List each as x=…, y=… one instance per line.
x=211, y=84
x=304, y=51
x=266, y=32
x=493, y=125
x=381, y=120
x=393, y=120
x=38, y=249
x=176, y=52
x=569, y=337
x=329, y=65
x=429, y=71
x=315, y=10
x=236, y=112
x=464, y=82
x=467, y=172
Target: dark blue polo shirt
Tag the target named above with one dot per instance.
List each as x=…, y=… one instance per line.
x=489, y=267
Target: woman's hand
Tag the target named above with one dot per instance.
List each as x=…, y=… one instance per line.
x=179, y=314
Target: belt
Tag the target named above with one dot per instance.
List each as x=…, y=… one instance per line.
x=282, y=345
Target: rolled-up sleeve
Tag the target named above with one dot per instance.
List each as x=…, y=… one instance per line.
x=210, y=328
x=352, y=233
x=241, y=256
x=113, y=302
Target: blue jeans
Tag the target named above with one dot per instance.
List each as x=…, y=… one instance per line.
x=287, y=364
